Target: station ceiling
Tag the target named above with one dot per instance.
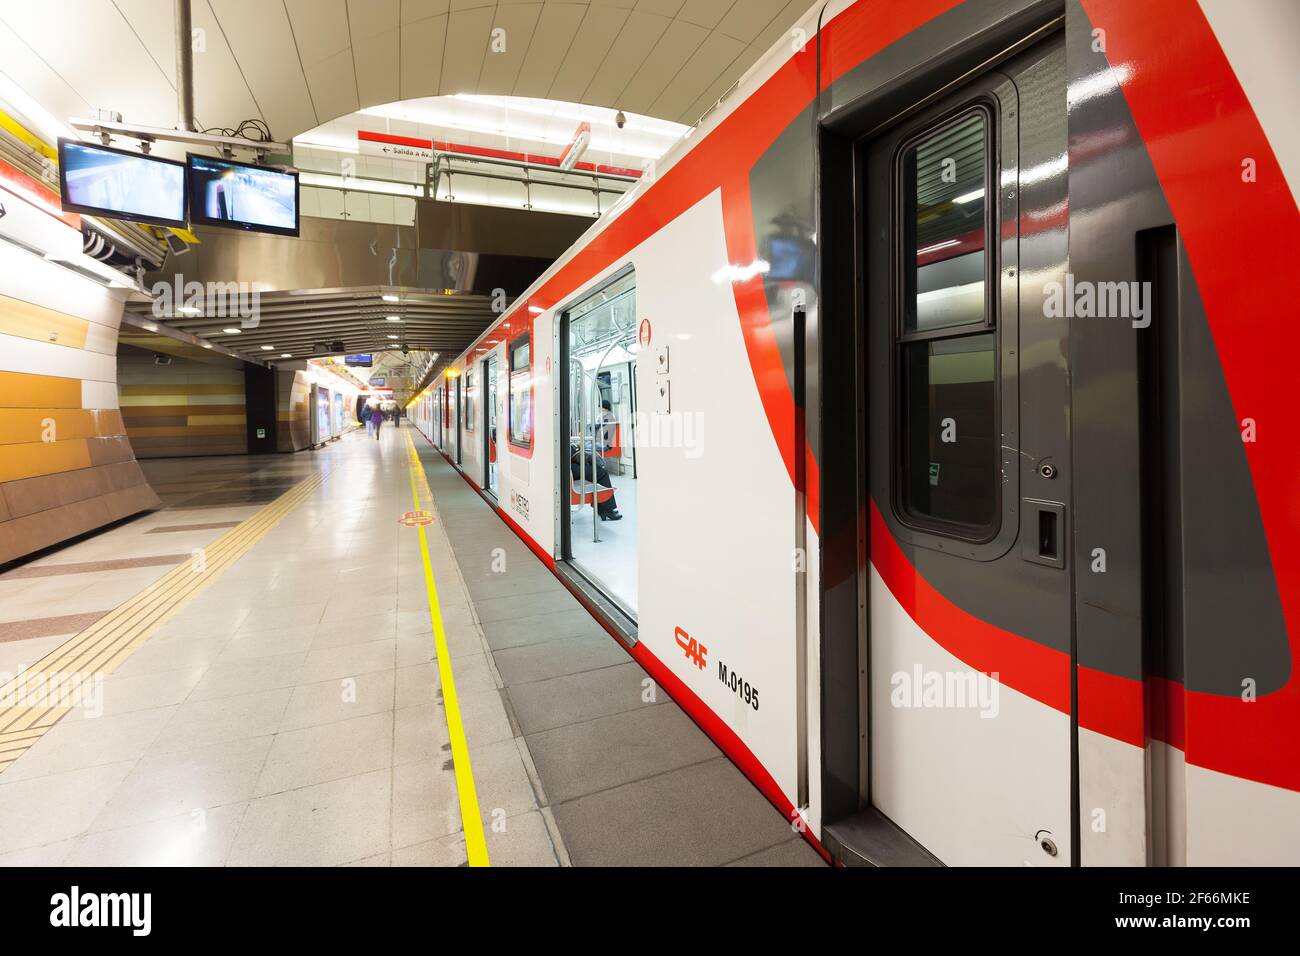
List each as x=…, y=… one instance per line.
x=297, y=64
x=320, y=322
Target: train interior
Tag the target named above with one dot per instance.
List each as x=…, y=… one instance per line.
x=599, y=339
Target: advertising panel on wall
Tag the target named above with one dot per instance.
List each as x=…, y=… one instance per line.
x=339, y=423
x=320, y=428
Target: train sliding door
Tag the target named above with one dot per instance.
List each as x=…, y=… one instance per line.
x=456, y=415
x=969, y=650
x=489, y=449
x=596, y=462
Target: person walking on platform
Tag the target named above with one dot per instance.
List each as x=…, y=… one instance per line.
x=377, y=420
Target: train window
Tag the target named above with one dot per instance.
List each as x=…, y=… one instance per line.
x=471, y=393
x=521, y=393
x=948, y=443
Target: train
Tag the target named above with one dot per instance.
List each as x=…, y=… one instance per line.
x=920, y=424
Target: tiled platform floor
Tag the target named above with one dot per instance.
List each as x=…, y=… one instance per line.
x=629, y=782
x=291, y=713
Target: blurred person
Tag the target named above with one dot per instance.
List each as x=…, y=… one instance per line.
x=377, y=420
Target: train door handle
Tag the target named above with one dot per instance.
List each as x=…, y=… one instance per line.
x=1044, y=537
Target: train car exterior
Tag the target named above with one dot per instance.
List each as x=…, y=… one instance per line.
x=948, y=350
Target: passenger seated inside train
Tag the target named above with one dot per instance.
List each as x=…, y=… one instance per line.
x=608, y=507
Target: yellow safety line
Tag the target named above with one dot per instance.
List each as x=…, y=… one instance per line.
x=475, y=844
x=105, y=644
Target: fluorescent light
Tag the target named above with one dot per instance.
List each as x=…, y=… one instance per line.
x=339, y=146
x=436, y=119
x=394, y=318
x=394, y=336
x=947, y=243
x=970, y=197
x=742, y=273
x=268, y=348
x=286, y=355
x=390, y=298
x=354, y=184
x=49, y=127
x=589, y=114
x=232, y=331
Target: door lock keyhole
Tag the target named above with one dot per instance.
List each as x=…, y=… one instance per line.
x=1046, y=843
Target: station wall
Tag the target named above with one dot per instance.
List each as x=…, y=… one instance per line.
x=181, y=409
x=66, y=464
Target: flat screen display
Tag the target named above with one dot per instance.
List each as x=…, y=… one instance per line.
x=363, y=361
x=118, y=184
x=243, y=196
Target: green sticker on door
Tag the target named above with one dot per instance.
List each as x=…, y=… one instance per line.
x=934, y=473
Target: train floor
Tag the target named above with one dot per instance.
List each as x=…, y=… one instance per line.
x=251, y=676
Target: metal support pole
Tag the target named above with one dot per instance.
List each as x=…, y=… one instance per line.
x=184, y=66
x=597, y=422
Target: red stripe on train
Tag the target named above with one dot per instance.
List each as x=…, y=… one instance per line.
x=1243, y=239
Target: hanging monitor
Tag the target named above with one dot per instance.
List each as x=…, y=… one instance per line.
x=118, y=184
x=243, y=196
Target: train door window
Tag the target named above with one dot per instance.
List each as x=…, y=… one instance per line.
x=471, y=399
x=521, y=393
x=948, y=448
x=490, y=424
x=458, y=414
x=599, y=339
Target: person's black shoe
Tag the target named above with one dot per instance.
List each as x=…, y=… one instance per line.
x=612, y=516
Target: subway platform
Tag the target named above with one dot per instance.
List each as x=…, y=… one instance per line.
x=282, y=666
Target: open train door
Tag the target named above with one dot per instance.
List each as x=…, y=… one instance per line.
x=965, y=701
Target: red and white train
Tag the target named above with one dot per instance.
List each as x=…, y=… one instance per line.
x=939, y=380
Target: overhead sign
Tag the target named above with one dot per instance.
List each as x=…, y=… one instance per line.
x=364, y=361
x=393, y=146
x=378, y=381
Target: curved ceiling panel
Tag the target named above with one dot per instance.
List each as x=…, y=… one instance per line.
x=301, y=63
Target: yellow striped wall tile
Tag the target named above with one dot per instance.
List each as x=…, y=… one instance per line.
x=32, y=459
x=40, y=324
x=24, y=390
x=182, y=431
x=216, y=420
x=26, y=425
x=180, y=388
